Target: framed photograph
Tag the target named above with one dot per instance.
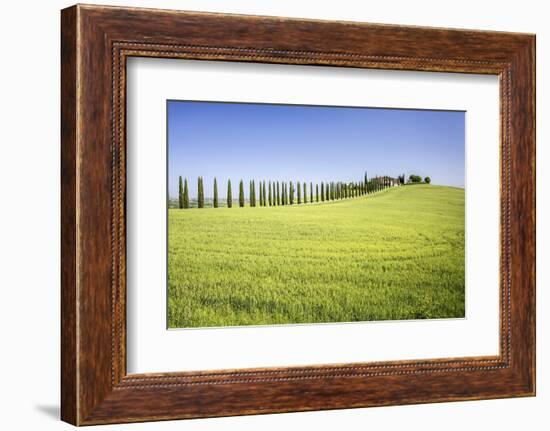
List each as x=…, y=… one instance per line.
x=265, y=215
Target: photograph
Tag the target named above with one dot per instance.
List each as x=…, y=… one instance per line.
x=286, y=211
x=303, y=214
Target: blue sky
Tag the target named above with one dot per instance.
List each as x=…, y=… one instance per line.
x=309, y=143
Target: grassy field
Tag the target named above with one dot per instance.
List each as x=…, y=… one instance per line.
x=398, y=254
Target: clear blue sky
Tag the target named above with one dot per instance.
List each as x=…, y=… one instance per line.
x=309, y=143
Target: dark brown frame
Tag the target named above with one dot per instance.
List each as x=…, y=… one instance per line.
x=95, y=43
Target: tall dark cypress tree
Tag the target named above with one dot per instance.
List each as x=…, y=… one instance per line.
x=322, y=191
x=229, y=195
x=200, y=193
x=270, y=195
x=278, y=194
x=311, y=192
x=304, y=185
x=215, y=193
x=180, y=193
x=316, y=192
x=265, y=195
x=185, y=194
x=253, y=193
x=287, y=194
x=299, y=188
x=327, y=197
x=291, y=191
x=250, y=194
x=241, y=194
x=287, y=201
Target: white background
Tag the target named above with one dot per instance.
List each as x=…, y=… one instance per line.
x=151, y=348
x=29, y=216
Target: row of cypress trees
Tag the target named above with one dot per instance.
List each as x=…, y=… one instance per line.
x=275, y=193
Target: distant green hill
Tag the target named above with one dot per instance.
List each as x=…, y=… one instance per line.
x=397, y=254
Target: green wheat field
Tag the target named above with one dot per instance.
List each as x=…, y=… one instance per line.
x=394, y=255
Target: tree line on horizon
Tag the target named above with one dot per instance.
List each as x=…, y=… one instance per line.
x=280, y=193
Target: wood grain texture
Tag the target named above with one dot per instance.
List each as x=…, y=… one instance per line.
x=96, y=41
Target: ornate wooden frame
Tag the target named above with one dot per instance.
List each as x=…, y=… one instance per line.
x=95, y=42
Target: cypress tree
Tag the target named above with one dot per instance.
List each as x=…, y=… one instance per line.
x=200, y=193
x=241, y=194
x=327, y=193
x=254, y=192
x=316, y=192
x=305, y=192
x=262, y=194
x=250, y=191
x=180, y=193
x=311, y=192
x=291, y=190
x=265, y=196
x=278, y=194
x=185, y=194
x=322, y=191
x=287, y=197
x=215, y=193
x=229, y=195
x=299, y=192
x=270, y=194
